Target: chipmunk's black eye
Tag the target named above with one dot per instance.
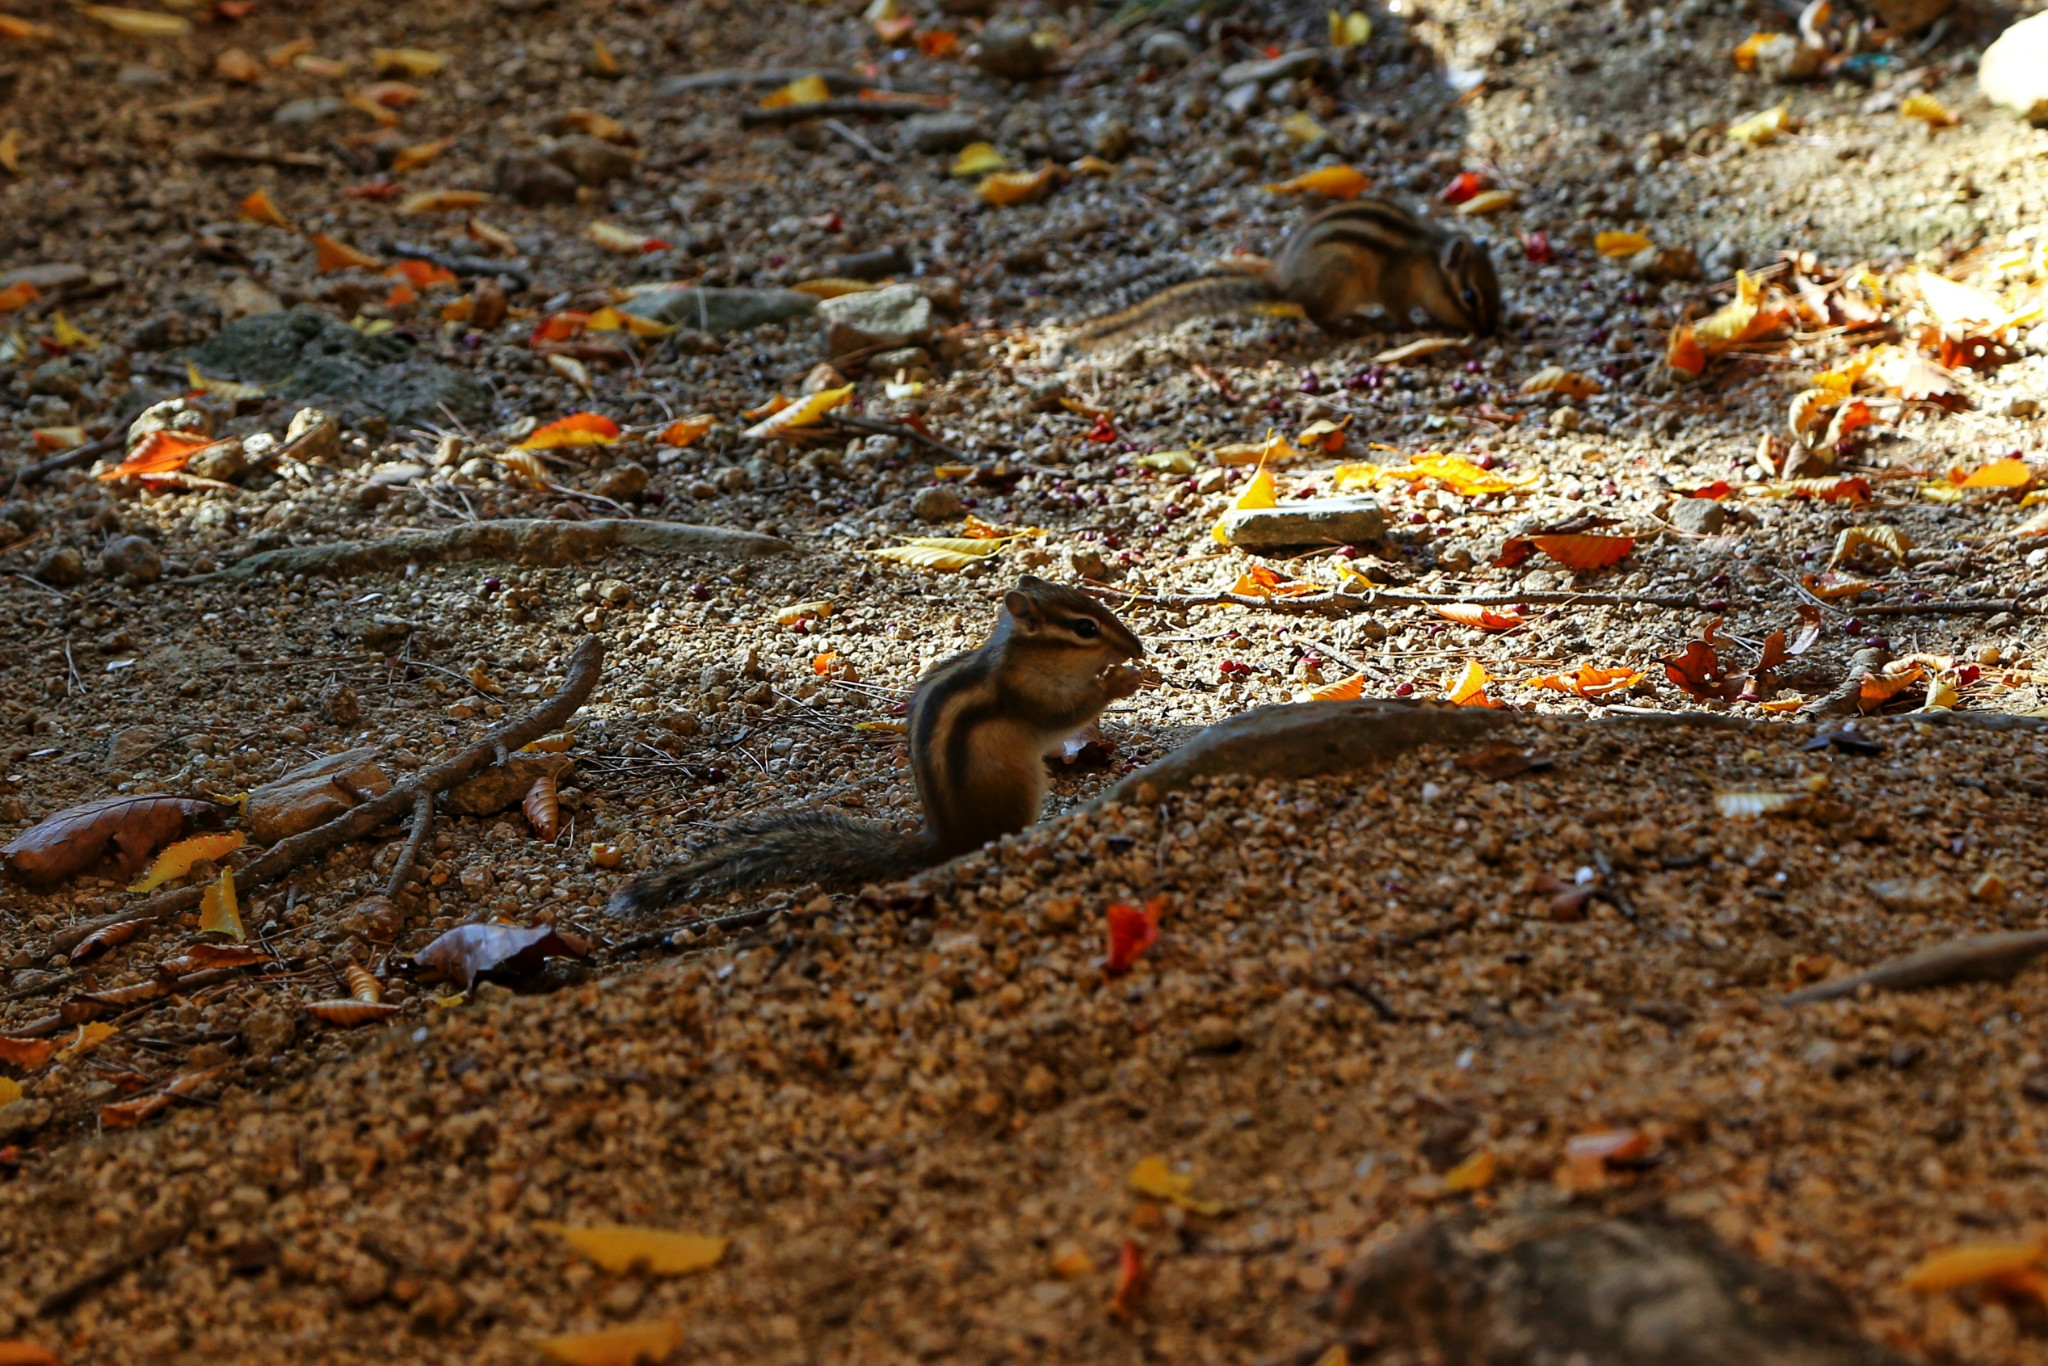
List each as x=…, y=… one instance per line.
x=1471, y=298
x=1085, y=628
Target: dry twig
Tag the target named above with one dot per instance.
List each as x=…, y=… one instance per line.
x=77, y=455
x=1977, y=958
x=827, y=109
x=1348, y=604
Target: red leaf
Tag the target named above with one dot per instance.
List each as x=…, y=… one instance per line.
x=131, y=828
x=1131, y=932
x=1586, y=550
x=1130, y=1279
x=1697, y=670
x=1464, y=187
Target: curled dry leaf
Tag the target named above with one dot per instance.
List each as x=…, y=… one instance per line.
x=128, y=1114
x=203, y=956
x=1833, y=587
x=622, y=1248
x=1590, y=681
x=1889, y=539
x=1555, y=379
x=1877, y=689
x=686, y=431
x=129, y=829
x=924, y=556
x=351, y=1013
x=138, y=23
x=330, y=255
x=629, y=1344
x=219, y=912
x=1586, y=550
x=108, y=936
x=1343, y=690
x=1417, y=350
x=1467, y=687
x=1154, y=1177
x=1332, y=182
x=1487, y=201
x=362, y=983
x=177, y=860
x=612, y=237
x=88, y=1037
x=1485, y=618
x=27, y=1054
x=259, y=207
x=88, y=1006
x=1474, y=1173
x=543, y=807
x=164, y=452
x=807, y=412
x=1955, y=1267
x=1005, y=188
x=466, y=951
x=1697, y=671
x=1262, y=582
x=1617, y=244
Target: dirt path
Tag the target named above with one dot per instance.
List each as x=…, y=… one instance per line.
x=918, y=1117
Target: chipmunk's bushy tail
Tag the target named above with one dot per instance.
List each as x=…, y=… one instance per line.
x=1211, y=296
x=790, y=846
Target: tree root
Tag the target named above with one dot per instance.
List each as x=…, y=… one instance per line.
x=584, y=667
x=1979, y=957
x=533, y=541
x=1843, y=700
x=1351, y=604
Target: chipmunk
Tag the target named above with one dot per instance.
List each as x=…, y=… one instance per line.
x=980, y=726
x=1349, y=255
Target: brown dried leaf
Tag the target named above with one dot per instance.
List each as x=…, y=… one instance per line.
x=1697, y=670
x=27, y=1054
x=349, y=1014
x=109, y=936
x=129, y=829
x=543, y=807
x=201, y=956
x=1889, y=539
x=91, y=1005
x=466, y=951
x=129, y=1113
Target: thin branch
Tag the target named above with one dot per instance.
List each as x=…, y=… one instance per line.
x=1975, y=958
x=409, y=857
x=77, y=455
x=830, y=109
x=584, y=667
x=1951, y=607
x=902, y=430
x=1347, y=604
x=873, y=152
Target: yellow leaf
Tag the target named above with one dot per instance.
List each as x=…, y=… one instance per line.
x=1467, y=687
x=443, y=201
x=10, y=151
x=259, y=207
x=602, y=62
x=612, y=237
x=1474, y=1173
x=1555, y=379
x=529, y=467
x=802, y=611
x=804, y=413
x=416, y=62
x=979, y=158
x=1620, y=243
x=1941, y=696
x=1274, y=450
x=22, y=30
x=1005, y=188
x=1487, y=201
x=88, y=1037
x=138, y=23
x=1261, y=492
x=923, y=557
x=632, y=1344
x=1154, y=1178
x=177, y=860
x=1960, y=1266
x=419, y=154
x=628, y=1247
x=1415, y=350
x=1927, y=109
x=1349, y=30
x=1758, y=129
x=10, y=1090
x=2009, y=473
x=1332, y=182
x=66, y=334
x=573, y=370
x=807, y=90
x=832, y=288
x=218, y=913
x=1302, y=126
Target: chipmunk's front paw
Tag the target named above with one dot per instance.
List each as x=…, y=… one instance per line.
x=1120, y=681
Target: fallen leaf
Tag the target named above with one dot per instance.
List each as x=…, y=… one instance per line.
x=1331, y=182
x=577, y=429
x=1879, y=688
x=622, y=1248
x=1416, y=350
x=66, y=334
x=612, y=237
x=805, y=90
x=685, y=431
x=806, y=412
x=1462, y=187
x=1474, y=1173
x=1555, y=379
x=1005, y=188
x=924, y=556
x=496, y=238
x=1343, y=690
x=417, y=62
x=22, y=1352
x=1467, y=687
x=1131, y=933
x=1130, y=1280
x=1889, y=539
x=222, y=388
x=10, y=151
x=632, y=1344
x=1350, y=30
x=1152, y=1176
x=1620, y=243
x=609, y=319
x=177, y=860
x=1912, y=376
x=422, y=274
x=88, y=1037
x=803, y=612
x=350, y=1013
x=419, y=154
x=1827, y=488
x=2009, y=473
x=1262, y=582
x=443, y=201
x=1683, y=352
x=218, y=912
x=1585, y=550
x=1485, y=202
x=18, y=295
x=1472, y=614
x=69, y=438
x=1758, y=129
x=330, y=255
x=202, y=956
x=1927, y=109
x=1955, y=1267
x=23, y=30
x=978, y=158
x=27, y=1054
x=127, y=1114
x=1590, y=681
x=1697, y=671
x=1302, y=127
x=936, y=43
x=138, y=23
x=129, y=828
x=466, y=951
x=543, y=807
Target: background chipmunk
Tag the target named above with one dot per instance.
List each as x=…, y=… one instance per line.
x=1364, y=252
x=980, y=726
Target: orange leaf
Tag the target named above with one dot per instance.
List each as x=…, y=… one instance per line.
x=330, y=255
x=564, y=326
x=18, y=295
x=1005, y=188
x=401, y=293
x=362, y=983
x=1344, y=690
x=821, y=665
x=176, y=860
x=349, y=1013
x=937, y=42
x=1131, y=932
x=627, y=1345
x=1467, y=687
x=219, y=912
x=419, y=154
x=160, y=452
x=577, y=429
x=22, y=1352
x=1877, y=689
x=422, y=274
x=443, y=201
x=2009, y=473
x=1590, y=681
x=1586, y=550
x=1485, y=618
x=261, y=208
x=685, y=431
x=1683, y=352
x=620, y=1248
x=27, y=1054
x=1332, y=182
x=237, y=66
x=129, y=1113
x=1960, y=1266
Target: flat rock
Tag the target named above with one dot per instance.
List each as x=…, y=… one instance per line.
x=129, y=744
x=57, y=275
x=503, y=786
x=2013, y=72
x=314, y=794
x=722, y=310
x=1700, y=516
x=886, y=317
x=301, y=353
x=132, y=559
x=1312, y=521
x=24, y=1117
x=942, y=132
x=312, y=109
x=1269, y=69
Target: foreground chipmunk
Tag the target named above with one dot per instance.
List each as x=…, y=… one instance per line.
x=1368, y=251
x=981, y=724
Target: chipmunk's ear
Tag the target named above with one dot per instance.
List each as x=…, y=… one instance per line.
x=1021, y=606
x=1456, y=252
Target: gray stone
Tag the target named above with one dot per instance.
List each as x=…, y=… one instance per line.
x=1110, y=138
x=313, y=437
x=314, y=794
x=622, y=483
x=1312, y=521
x=1014, y=51
x=2014, y=70
x=131, y=559
x=172, y=415
x=301, y=353
x=46, y=278
x=530, y=178
x=1168, y=49
x=1700, y=516
x=888, y=317
x=1267, y=70
x=223, y=460
x=939, y=503
x=906, y=358
x=60, y=568
x=593, y=161
x=129, y=745
x=312, y=109
x=268, y=1032
x=722, y=310
x=24, y=1117
x=57, y=378
x=1243, y=100
x=942, y=132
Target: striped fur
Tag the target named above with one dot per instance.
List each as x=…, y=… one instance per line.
x=1209, y=297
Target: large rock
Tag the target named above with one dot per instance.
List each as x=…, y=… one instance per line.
x=300, y=353
x=132, y=560
x=2014, y=69
x=1312, y=521
x=722, y=310
x=315, y=794
x=887, y=317
x=503, y=786
x=942, y=132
